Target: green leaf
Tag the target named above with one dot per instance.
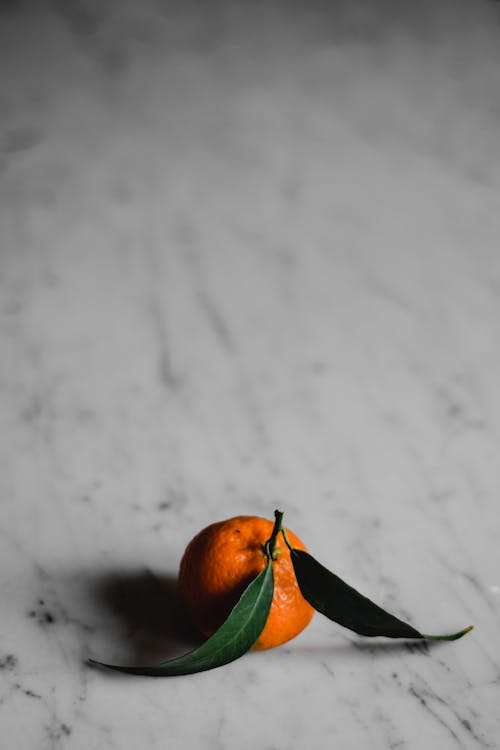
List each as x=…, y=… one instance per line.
x=331, y=596
x=233, y=639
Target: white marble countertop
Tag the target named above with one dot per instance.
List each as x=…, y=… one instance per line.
x=249, y=259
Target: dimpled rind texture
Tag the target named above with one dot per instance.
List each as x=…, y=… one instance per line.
x=219, y=563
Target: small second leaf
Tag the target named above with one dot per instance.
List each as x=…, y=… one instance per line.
x=338, y=601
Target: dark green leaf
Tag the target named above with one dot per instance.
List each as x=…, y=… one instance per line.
x=233, y=639
x=331, y=596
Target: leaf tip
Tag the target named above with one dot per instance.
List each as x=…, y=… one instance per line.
x=463, y=632
x=452, y=637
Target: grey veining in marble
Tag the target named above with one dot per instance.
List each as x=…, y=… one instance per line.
x=249, y=258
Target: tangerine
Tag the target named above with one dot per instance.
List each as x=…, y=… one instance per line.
x=220, y=562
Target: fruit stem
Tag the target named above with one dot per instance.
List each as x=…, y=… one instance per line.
x=271, y=542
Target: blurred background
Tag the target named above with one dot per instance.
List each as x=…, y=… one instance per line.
x=249, y=256
x=244, y=245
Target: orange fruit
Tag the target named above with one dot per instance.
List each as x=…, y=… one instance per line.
x=220, y=562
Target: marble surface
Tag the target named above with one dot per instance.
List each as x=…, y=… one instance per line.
x=249, y=259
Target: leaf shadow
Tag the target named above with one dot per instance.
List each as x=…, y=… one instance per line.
x=376, y=649
x=154, y=623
